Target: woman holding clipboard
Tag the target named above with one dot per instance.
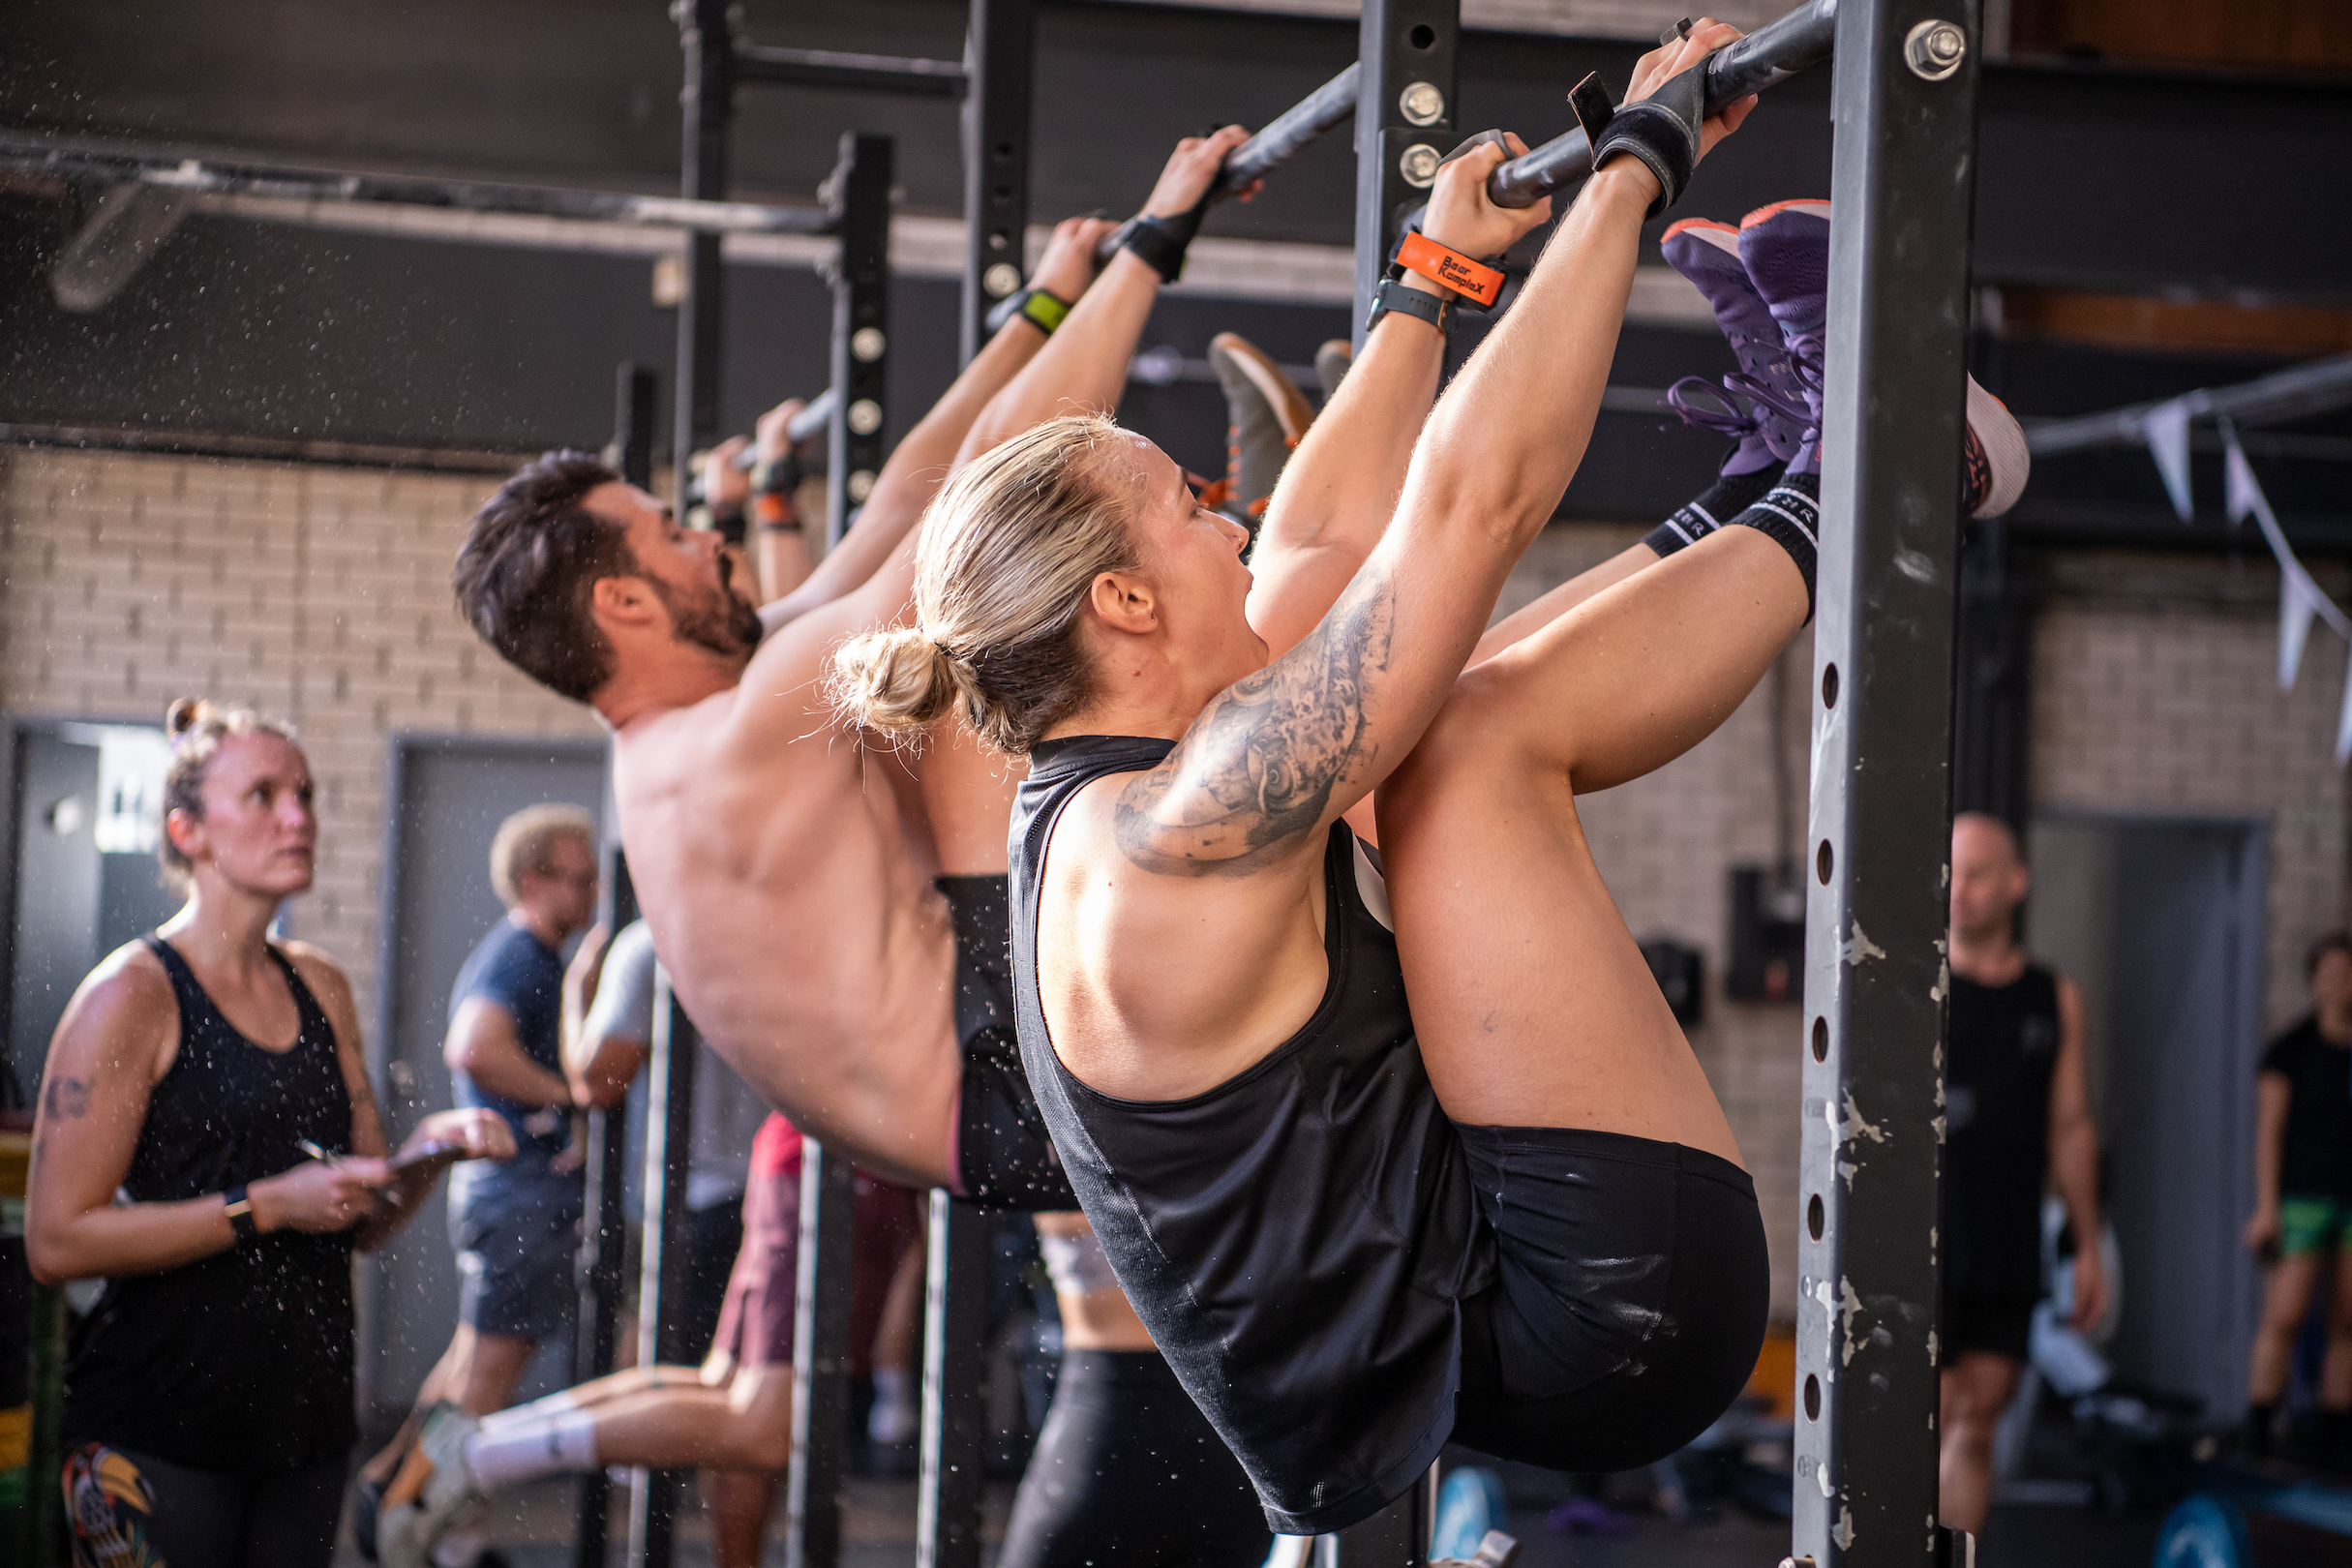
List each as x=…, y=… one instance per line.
x=215, y=1080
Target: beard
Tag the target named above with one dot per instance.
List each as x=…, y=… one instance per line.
x=722, y=620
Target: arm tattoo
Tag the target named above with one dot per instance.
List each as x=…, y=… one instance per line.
x=1257, y=768
x=66, y=1100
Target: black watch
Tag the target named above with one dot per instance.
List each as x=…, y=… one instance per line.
x=240, y=1215
x=1394, y=294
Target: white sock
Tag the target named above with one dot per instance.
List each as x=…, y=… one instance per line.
x=555, y=1403
x=892, y=1417
x=526, y=1450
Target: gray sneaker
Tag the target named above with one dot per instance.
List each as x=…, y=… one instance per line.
x=1331, y=362
x=407, y=1531
x=1266, y=415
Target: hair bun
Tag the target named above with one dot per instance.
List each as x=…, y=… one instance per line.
x=897, y=680
x=184, y=714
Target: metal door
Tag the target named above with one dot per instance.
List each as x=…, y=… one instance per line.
x=2161, y=922
x=58, y=880
x=447, y=796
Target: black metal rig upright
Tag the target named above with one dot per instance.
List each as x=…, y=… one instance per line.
x=1877, y=972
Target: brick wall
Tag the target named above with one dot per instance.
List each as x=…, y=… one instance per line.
x=2155, y=690
x=312, y=593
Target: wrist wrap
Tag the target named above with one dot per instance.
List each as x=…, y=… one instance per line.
x=780, y=477
x=1662, y=130
x=1479, y=284
x=1159, y=243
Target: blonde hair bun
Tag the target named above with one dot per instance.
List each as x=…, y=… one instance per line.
x=897, y=681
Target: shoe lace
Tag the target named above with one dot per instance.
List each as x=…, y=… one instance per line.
x=1805, y=362
x=1726, y=417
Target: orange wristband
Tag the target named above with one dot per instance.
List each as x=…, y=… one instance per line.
x=1450, y=269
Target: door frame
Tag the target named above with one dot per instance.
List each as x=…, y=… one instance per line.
x=14, y=728
x=399, y=746
x=2248, y=1033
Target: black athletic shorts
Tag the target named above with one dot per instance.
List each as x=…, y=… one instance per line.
x=1005, y=1159
x=2003, y=1325
x=1628, y=1300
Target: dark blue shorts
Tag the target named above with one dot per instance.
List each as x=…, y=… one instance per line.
x=517, y=1251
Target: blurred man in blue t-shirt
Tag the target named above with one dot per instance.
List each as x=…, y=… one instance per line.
x=515, y=1225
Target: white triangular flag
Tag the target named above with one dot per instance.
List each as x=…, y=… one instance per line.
x=2297, y=606
x=2166, y=431
x=2343, y=723
x=2240, y=497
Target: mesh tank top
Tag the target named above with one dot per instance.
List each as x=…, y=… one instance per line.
x=241, y=1361
x=1298, y=1237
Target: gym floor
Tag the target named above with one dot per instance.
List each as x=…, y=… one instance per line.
x=532, y=1530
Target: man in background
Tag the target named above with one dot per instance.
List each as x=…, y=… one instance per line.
x=516, y=1226
x=2303, y=1213
x=2018, y=1120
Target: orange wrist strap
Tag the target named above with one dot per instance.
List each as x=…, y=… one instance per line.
x=1451, y=269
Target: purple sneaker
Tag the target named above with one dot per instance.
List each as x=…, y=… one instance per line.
x=1707, y=254
x=1785, y=248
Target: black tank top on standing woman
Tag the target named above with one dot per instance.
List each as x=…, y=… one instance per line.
x=243, y=1360
x=1296, y=1239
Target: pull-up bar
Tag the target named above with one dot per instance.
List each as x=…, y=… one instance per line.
x=1765, y=58
x=1771, y=54
x=43, y=155
x=1332, y=104
x=837, y=69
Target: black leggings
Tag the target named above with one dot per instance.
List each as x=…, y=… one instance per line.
x=118, y=1499
x=1128, y=1471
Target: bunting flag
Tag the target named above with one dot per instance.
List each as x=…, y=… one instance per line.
x=2300, y=598
x=2344, y=721
x=2166, y=430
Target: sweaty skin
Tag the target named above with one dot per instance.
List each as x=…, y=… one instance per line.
x=771, y=855
x=784, y=866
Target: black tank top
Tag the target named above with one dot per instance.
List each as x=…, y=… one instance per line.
x=240, y=1361
x=1997, y=1144
x=1298, y=1237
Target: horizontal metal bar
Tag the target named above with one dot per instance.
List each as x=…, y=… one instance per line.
x=846, y=71
x=1281, y=137
x=260, y=448
x=2315, y=387
x=804, y=426
x=1168, y=367
x=69, y=159
x=2153, y=528
x=1275, y=145
x=1771, y=54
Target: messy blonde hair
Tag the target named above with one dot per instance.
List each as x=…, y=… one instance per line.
x=1009, y=553
x=196, y=730
x=526, y=841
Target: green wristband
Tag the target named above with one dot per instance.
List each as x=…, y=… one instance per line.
x=1043, y=310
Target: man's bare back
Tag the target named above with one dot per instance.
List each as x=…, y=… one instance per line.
x=787, y=886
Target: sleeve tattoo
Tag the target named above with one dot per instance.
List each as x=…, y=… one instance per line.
x=1257, y=768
